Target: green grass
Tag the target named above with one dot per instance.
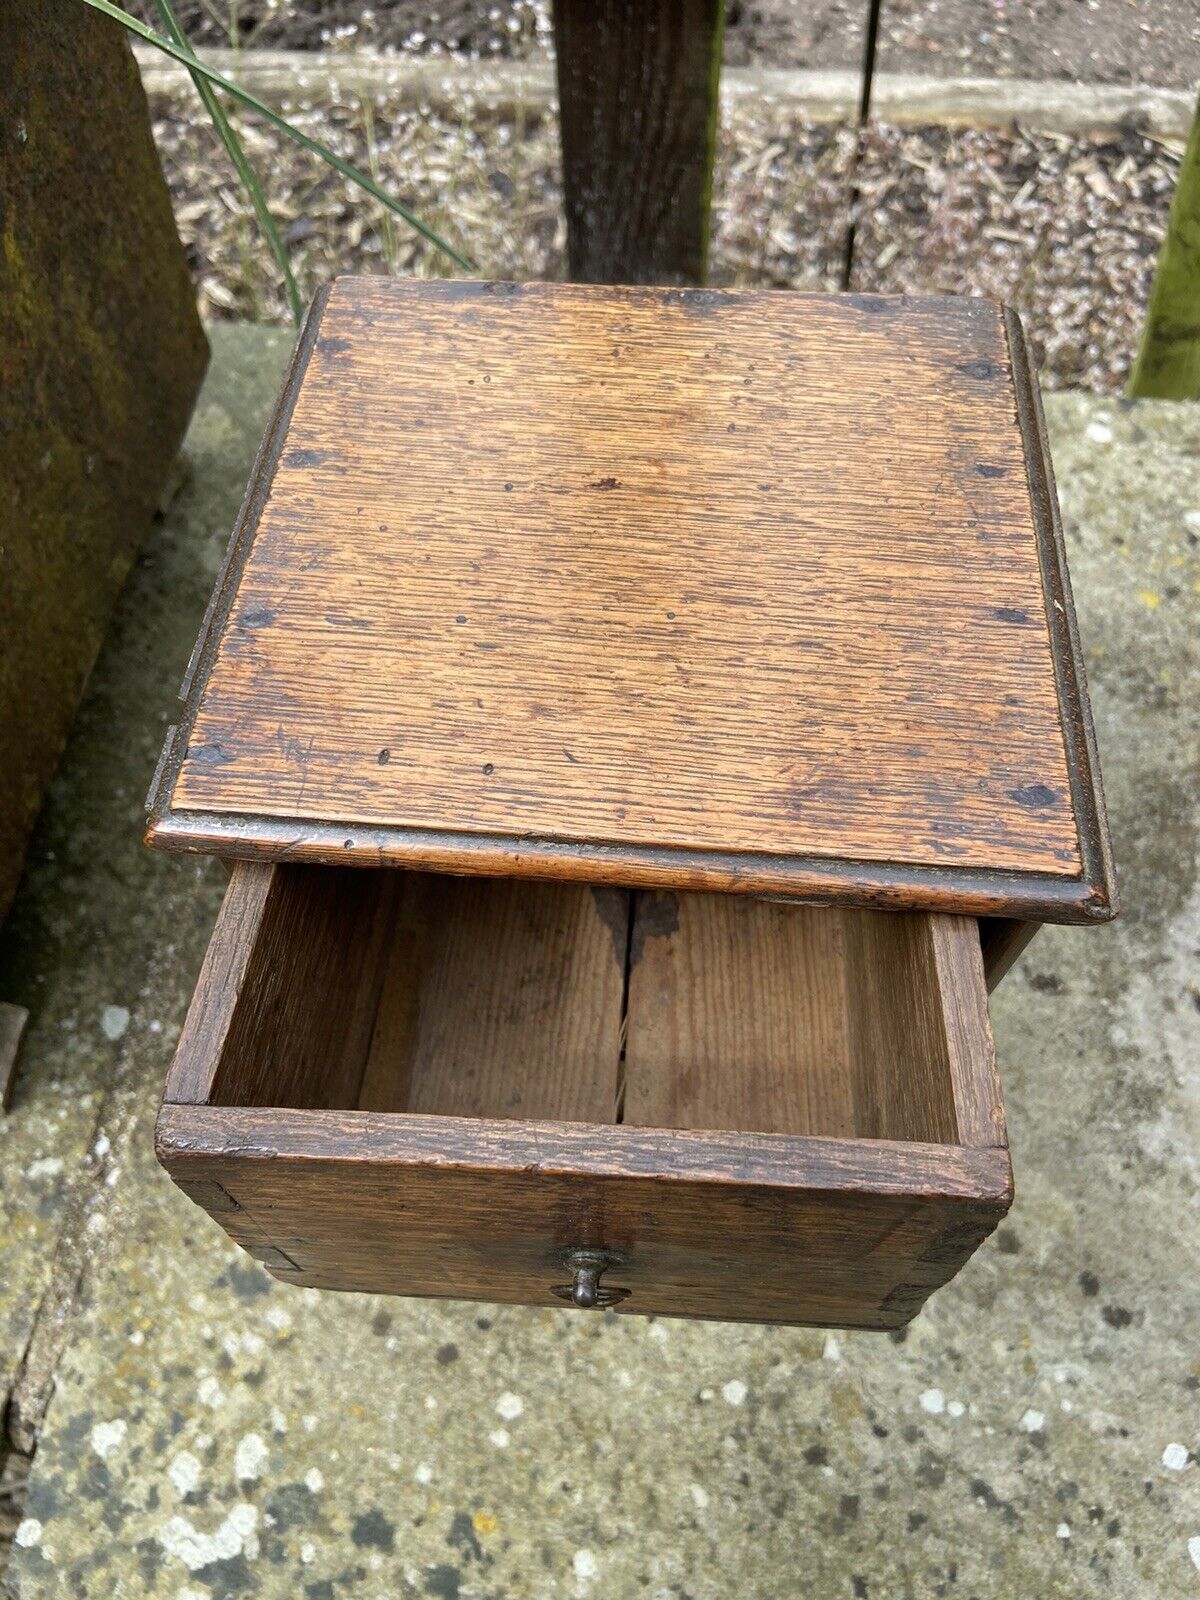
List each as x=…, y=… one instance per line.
x=237, y=155
x=200, y=71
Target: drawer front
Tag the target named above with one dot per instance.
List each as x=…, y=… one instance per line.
x=768, y=1228
x=406, y=1084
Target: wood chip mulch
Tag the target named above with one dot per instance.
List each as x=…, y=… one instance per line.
x=1066, y=228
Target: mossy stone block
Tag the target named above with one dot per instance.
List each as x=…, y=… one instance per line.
x=101, y=356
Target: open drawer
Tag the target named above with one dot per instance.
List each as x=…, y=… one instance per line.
x=409, y=1083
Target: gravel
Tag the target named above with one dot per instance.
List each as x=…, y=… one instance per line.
x=1066, y=228
x=501, y=28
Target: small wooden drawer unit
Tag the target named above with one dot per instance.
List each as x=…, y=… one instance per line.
x=641, y=722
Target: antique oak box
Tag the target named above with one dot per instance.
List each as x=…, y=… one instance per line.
x=641, y=720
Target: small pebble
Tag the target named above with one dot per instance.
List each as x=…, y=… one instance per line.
x=210, y=1393
x=1175, y=1457
x=184, y=1473
x=107, y=1437
x=47, y=1167
x=250, y=1457
x=114, y=1020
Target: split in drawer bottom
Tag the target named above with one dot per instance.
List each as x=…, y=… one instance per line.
x=492, y=1089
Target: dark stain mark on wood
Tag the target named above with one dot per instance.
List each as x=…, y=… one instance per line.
x=1035, y=795
x=696, y=302
x=983, y=470
x=612, y=907
x=210, y=755
x=257, y=617
x=606, y=483
x=304, y=457
x=294, y=749
x=1010, y=614
x=384, y=757
x=657, y=918
x=333, y=346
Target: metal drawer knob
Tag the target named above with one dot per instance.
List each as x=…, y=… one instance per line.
x=586, y=1291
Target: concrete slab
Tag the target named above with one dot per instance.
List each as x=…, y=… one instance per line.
x=216, y=1434
x=91, y=906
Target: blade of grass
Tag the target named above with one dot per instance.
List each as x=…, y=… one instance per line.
x=388, y=236
x=314, y=146
x=237, y=154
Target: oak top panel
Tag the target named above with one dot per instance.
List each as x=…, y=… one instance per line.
x=538, y=576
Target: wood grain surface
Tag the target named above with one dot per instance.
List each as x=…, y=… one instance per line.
x=606, y=574
x=801, y=1093
x=501, y=999
x=738, y=1017
x=750, y=1227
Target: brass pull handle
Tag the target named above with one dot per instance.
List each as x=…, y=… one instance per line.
x=586, y=1291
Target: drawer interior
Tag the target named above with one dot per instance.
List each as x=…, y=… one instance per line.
x=400, y=992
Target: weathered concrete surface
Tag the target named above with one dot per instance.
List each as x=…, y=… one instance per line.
x=93, y=903
x=215, y=1433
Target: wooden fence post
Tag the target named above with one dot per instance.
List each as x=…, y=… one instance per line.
x=1168, y=360
x=638, y=82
